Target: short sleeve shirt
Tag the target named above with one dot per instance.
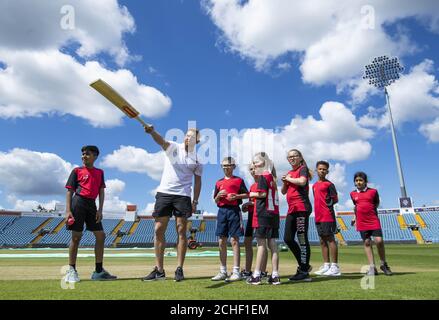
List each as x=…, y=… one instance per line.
x=179, y=170
x=231, y=185
x=325, y=196
x=86, y=182
x=366, y=214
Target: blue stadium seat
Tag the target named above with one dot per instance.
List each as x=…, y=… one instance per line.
x=24, y=225
x=410, y=219
x=6, y=221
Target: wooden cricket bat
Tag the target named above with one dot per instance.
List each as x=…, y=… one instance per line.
x=115, y=98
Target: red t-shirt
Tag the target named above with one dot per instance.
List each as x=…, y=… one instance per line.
x=86, y=182
x=297, y=196
x=232, y=185
x=325, y=196
x=366, y=203
x=253, y=188
x=266, y=210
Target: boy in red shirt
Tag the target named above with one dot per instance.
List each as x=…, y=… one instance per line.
x=325, y=196
x=228, y=195
x=84, y=185
x=366, y=201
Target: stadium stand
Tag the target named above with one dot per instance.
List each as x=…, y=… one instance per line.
x=144, y=234
x=196, y=224
x=126, y=226
x=24, y=225
x=410, y=219
x=54, y=222
x=6, y=221
x=25, y=231
x=430, y=234
x=430, y=218
x=60, y=239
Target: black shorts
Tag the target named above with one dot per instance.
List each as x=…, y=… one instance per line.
x=248, y=228
x=266, y=233
x=168, y=205
x=371, y=233
x=84, y=211
x=325, y=229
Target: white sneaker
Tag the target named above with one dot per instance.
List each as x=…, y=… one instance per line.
x=324, y=268
x=220, y=276
x=234, y=277
x=334, y=271
x=72, y=276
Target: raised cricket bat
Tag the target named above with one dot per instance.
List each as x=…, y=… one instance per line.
x=115, y=98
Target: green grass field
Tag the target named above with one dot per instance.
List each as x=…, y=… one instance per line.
x=416, y=277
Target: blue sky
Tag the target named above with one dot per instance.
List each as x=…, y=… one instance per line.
x=225, y=64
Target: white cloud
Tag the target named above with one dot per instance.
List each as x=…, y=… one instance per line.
x=112, y=203
x=29, y=205
x=337, y=175
x=35, y=83
x=39, y=78
x=148, y=211
x=345, y=206
x=26, y=172
x=113, y=190
x=334, y=38
x=98, y=26
x=209, y=214
x=336, y=136
x=414, y=97
x=284, y=66
x=431, y=130
x=114, y=187
x=132, y=159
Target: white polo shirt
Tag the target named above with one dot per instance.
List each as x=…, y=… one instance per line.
x=179, y=170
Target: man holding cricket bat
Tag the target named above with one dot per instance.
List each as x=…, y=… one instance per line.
x=174, y=196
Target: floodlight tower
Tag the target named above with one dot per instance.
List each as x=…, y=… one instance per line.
x=381, y=73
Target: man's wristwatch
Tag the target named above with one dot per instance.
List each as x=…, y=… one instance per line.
x=195, y=202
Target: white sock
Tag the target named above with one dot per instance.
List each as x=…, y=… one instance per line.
x=372, y=266
x=327, y=264
x=235, y=269
x=334, y=265
x=257, y=273
x=223, y=269
x=275, y=274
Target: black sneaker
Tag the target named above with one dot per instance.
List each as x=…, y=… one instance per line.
x=254, y=280
x=300, y=276
x=155, y=275
x=179, y=274
x=386, y=269
x=264, y=275
x=246, y=274
x=273, y=280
